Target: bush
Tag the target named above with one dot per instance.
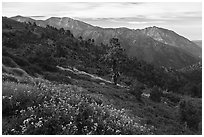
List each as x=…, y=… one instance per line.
x=136, y=90
x=57, y=77
x=17, y=97
x=18, y=72
x=15, y=71
x=48, y=67
x=9, y=62
x=8, y=77
x=196, y=91
x=156, y=94
x=11, y=43
x=172, y=97
x=190, y=111
x=5, y=69
x=21, y=61
x=33, y=69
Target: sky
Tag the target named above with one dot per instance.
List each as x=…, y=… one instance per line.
x=185, y=18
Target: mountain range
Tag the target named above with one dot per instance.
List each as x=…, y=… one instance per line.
x=198, y=42
x=159, y=46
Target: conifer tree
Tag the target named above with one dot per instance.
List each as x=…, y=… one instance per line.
x=115, y=57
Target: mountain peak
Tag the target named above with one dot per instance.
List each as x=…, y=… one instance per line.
x=171, y=38
x=54, y=18
x=160, y=29
x=19, y=16
x=152, y=28
x=22, y=19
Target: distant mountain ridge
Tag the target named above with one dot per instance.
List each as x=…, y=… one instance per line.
x=171, y=38
x=193, y=67
x=198, y=42
x=155, y=45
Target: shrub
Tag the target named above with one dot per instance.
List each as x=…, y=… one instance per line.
x=195, y=92
x=156, y=94
x=172, y=97
x=18, y=72
x=14, y=71
x=57, y=77
x=33, y=69
x=136, y=90
x=21, y=61
x=48, y=67
x=11, y=43
x=9, y=62
x=17, y=96
x=5, y=69
x=8, y=77
x=126, y=80
x=190, y=111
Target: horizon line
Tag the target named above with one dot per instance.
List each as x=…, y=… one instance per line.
x=31, y=17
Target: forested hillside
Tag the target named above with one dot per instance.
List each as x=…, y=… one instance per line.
x=158, y=46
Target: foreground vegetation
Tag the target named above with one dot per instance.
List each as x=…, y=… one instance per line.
x=49, y=108
x=38, y=106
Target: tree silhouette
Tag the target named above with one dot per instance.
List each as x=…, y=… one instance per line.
x=114, y=58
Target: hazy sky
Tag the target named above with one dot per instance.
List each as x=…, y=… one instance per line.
x=183, y=18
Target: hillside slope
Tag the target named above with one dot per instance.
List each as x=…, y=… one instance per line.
x=146, y=44
x=86, y=107
x=171, y=38
x=198, y=42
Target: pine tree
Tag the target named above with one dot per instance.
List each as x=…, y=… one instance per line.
x=114, y=58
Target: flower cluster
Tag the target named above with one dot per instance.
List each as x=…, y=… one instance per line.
x=67, y=109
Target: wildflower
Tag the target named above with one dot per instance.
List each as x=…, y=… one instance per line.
x=70, y=123
x=90, y=133
x=24, y=129
x=22, y=111
x=30, y=108
x=13, y=130
x=10, y=97
x=17, y=103
x=63, y=128
x=96, y=124
x=40, y=118
x=118, y=131
x=38, y=124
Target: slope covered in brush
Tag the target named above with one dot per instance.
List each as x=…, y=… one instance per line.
x=154, y=45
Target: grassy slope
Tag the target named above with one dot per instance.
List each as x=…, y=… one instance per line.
x=91, y=107
x=49, y=108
